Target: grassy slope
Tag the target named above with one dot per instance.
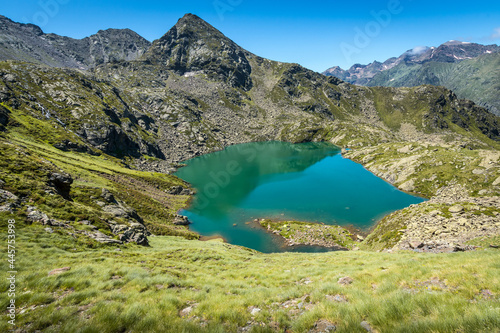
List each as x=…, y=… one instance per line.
x=26, y=164
x=142, y=289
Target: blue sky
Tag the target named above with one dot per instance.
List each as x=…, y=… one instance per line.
x=315, y=34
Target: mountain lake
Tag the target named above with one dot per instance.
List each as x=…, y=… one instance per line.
x=281, y=181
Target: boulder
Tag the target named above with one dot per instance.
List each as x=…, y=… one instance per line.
x=345, y=281
x=61, y=182
x=136, y=233
x=34, y=215
x=181, y=220
x=187, y=311
x=102, y=238
x=254, y=311
x=323, y=326
x=107, y=195
x=175, y=190
x=122, y=211
x=416, y=244
x=456, y=209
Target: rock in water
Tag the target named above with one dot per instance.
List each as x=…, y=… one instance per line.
x=181, y=220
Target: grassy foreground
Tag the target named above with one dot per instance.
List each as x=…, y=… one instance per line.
x=178, y=285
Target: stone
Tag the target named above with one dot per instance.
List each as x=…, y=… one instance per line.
x=323, y=326
x=107, y=195
x=187, y=311
x=137, y=233
x=175, y=190
x=434, y=213
x=405, y=149
x=102, y=238
x=49, y=230
x=37, y=216
x=181, y=220
x=255, y=311
x=61, y=182
x=360, y=238
x=7, y=196
x=58, y=271
x=337, y=298
x=496, y=182
x=366, y=326
x=118, y=228
x=478, y=171
x=456, y=209
x=345, y=281
x=416, y=244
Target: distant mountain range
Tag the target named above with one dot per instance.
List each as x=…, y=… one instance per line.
x=471, y=70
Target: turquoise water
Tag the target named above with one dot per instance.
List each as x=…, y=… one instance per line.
x=279, y=180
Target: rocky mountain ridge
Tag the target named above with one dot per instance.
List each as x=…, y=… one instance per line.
x=27, y=42
x=449, y=52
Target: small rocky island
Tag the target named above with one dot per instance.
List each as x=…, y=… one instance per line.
x=315, y=234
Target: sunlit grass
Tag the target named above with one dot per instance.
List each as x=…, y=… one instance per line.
x=142, y=289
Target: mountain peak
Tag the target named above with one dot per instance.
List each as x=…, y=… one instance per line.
x=193, y=45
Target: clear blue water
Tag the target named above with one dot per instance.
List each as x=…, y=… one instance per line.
x=283, y=181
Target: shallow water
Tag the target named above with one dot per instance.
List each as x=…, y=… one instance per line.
x=279, y=180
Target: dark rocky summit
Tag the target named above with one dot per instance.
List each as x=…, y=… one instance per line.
x=194, y=46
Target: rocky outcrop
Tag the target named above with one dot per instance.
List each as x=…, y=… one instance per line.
x=61, y=182
x=449, y=220
x=8, y=201
x=181, y=220
x=135, y=233
x=445, y=223
x=67, y=145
